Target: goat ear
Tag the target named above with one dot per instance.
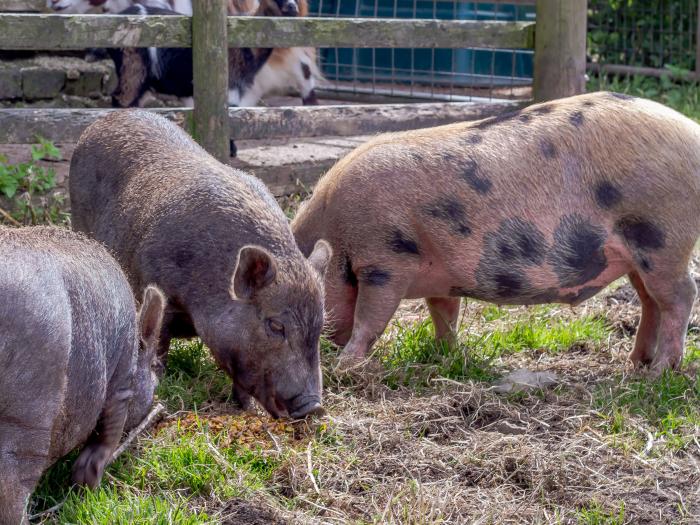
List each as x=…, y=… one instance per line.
x=151, y=315
x=255, y=269
x=321, y=256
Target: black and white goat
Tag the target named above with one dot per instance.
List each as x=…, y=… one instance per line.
x=286, y=68
x=183, y=7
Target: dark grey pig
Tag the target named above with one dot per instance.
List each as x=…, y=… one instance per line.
x=71, y=369
x=548, y=204
x=218, y=245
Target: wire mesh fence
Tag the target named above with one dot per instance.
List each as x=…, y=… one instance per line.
x=643, y=35
x=434, y=74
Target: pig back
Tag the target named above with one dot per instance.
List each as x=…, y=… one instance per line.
x=72, y=316
x=169, y=212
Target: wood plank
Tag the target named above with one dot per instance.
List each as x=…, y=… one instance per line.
x=35, y=6
x=560, y=49
x=210, y=77
x=65, y=125
x=42, y=31
x=388, y=33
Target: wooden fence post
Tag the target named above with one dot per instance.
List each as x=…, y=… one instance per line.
x=560, y=48
x=210, y=71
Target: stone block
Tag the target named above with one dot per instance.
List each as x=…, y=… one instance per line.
x=42, y=83
x=10, y=82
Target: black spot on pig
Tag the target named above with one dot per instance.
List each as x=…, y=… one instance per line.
x=640, y=233
x=620, y=96
x=401, y=243
x=306, y=71
x=350, y=277
x=452, y=212
x=507, y=253
x=374, y=276
x=645, y=264
x=576, y=119
x=474, y=139
x=525, y=118
x=543, y=110
x=508, y=284
x=548, y=149
x=588, y=104
x=517, y=242
x=584, y=293
x=459, y=291
x=577, y=254
x=607, y=195
x=478, y=182
x=416, y=156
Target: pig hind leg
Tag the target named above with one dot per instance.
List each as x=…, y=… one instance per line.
x=21, y=467
x=91, y=462
x=648, y=332
x=445, y=313
x=672, y=296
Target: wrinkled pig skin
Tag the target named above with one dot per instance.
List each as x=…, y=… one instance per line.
x=72, y=371
x=218, y=245
x=543, y=205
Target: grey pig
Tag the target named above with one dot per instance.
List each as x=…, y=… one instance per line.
x=548, y=204
x=218, y=245
x=72, y=371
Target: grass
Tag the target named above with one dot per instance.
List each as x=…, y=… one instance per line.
x=412, y=356
x=596, y=514
x=668, y=406
x=191, y=377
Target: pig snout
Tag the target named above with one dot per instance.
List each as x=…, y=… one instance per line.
x=305, y=405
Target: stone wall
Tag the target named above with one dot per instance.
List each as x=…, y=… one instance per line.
x=55, y=81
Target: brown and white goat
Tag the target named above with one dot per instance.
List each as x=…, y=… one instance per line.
x=286, y=68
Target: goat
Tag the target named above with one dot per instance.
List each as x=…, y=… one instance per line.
x=287, y=67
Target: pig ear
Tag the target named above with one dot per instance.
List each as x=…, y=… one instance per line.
x=151, y=315
x=255, y=269
x=321, y=256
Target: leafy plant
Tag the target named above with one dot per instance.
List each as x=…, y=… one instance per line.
x=28, y=186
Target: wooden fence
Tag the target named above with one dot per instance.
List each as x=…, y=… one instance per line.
x=559, y=41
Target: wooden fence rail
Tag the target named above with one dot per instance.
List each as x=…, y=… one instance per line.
x=63, y=32
x=560, y=73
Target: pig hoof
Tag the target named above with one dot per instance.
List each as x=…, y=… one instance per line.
x=90, y=465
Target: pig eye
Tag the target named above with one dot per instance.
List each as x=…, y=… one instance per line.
x=275, y=327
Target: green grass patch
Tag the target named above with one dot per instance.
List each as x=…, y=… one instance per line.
x=156, y=484
x=191, y=377
x=413, y=356
x=596, y=514
x=112, y=505
x=541, y=331
x=669, y=406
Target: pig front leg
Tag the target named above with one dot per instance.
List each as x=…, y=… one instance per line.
x=445, y=312
x=91, y=462
x=377, y=300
